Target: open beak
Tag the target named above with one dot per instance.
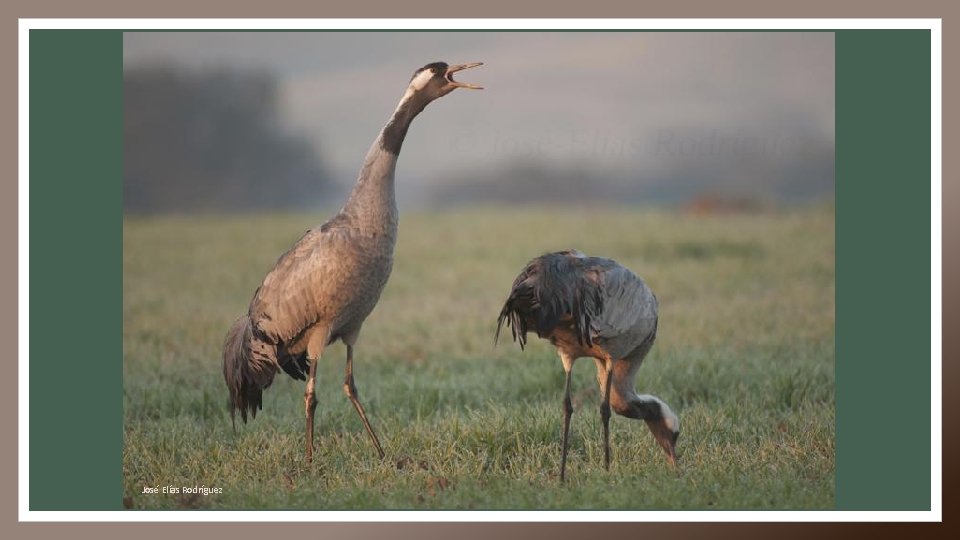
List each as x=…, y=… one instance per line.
x=453, y=69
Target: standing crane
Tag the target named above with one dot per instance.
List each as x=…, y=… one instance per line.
x=326, y=285
x=589, y=306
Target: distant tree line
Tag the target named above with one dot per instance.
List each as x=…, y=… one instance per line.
x=212, y=140
x=802, y=174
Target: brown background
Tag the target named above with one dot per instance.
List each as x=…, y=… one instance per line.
x=13, y=9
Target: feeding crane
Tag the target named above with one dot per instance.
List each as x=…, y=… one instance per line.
x=593, y=307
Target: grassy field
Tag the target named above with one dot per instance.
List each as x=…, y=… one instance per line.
x=745, y=356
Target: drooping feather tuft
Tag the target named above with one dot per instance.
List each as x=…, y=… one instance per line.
x=550, y=289
x=249, y=365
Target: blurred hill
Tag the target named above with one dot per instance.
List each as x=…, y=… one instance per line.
x=800, y=173
x=213, y=140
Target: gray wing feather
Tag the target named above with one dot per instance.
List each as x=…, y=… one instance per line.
x=627, y=303
x=284, y=305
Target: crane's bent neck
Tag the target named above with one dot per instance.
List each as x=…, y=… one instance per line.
x=625, y=399
x=373, y=199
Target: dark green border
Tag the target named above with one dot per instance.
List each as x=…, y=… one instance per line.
x=883, y=270
x=76, y=240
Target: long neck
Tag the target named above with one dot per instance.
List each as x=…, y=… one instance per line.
x=373, y=199
x=625, y=398
x=646, y=407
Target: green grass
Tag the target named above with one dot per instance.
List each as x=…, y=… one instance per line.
x=745, y=356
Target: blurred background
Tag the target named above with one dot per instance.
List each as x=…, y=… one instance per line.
x=702, y=161
x=232, y=122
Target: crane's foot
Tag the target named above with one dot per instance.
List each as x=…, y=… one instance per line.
x=350, y=389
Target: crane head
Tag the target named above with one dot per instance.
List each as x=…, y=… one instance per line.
x=666, y=430
x=664, y=424
x=436, y=80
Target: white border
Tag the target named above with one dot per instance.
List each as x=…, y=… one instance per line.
x=23, y=274
x=936, y=277
x=480, y=24
x=934, y=25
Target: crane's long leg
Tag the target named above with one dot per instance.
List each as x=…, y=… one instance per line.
x=310, y=404
x=567, y=413
x=567, y=361
x=351, y=390
x=605, y=412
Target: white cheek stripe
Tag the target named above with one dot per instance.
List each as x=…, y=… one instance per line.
x=416, y=84
x=421, y=79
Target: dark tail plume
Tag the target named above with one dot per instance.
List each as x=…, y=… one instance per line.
x=550, y=289
x=515, y=312
x=248, y=367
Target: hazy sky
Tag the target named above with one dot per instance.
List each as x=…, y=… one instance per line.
x=634, y=103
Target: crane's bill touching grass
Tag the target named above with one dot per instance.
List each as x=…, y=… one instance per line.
x=326, y=285
x=594, y=307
